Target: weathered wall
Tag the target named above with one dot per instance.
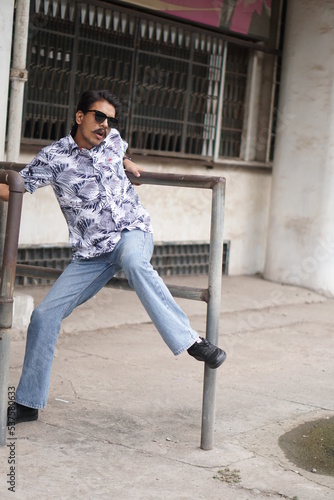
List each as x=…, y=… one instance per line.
x=300, y=247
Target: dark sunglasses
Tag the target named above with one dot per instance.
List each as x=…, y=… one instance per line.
x=100, y=118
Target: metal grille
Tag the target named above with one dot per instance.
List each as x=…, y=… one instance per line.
x=167, y=76
x=168, y=259
x=46, y=105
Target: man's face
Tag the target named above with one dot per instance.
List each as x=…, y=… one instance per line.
x=90, y=133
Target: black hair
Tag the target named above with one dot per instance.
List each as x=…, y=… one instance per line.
x=87, y=100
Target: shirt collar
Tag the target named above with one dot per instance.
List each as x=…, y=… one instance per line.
x=72, y=145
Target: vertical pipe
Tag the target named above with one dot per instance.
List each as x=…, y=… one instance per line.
x=189, y=90
x=18, y=77
x=213, y=310
x=6, y=28
x=133, y=98
x=250, y=137
x=16, y=186
x=74, y=69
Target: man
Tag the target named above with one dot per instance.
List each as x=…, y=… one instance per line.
x=109, y=230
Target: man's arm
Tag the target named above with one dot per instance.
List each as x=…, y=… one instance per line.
x=132, y=167
x=4, y=192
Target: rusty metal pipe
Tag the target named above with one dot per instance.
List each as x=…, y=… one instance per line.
x=16, y=190
x=10, y=165
x=156, y=178
x=183, y=292
x=213, y=312
x=192, y=181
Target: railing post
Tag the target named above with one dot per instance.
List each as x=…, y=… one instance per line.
x=16, y=188
x=4, y=370
x=213, y=311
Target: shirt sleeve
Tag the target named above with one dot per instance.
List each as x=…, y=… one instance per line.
x=37, y=173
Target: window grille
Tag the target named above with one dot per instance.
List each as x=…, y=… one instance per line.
x=167, y=75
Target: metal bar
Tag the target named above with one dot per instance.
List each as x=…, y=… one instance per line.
x=160, y=179
x=157, y=178
x=16, y=190
x=220, y=104
x=132, y=99
x=191, y=181
x=4, y=370
x=18, y=77
x=74, y=67
x=249, y=137
x=213, y=311
x=9, y=165
x=188, y=94
x=183, y=292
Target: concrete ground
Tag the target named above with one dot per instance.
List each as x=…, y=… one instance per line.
x=123, y=419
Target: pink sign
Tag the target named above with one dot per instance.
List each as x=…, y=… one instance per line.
x=246, y=17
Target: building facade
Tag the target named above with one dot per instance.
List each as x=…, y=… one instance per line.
x=199, y=89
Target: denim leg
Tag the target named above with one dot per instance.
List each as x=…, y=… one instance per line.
x=81, y=280
x=133, y=253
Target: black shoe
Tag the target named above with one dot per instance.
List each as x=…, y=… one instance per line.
x=17, y=413
x=205, y=351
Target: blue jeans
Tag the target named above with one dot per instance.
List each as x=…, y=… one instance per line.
x=80, y=281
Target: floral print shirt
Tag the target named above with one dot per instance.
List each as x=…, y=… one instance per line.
x=96, y=197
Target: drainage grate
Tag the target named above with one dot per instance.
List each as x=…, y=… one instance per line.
x=168, y=259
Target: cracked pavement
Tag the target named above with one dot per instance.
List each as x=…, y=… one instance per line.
x=124, y=415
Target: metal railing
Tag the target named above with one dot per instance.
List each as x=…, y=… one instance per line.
x=210, y=295
x=16, y=190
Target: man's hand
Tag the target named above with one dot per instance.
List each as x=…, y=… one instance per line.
x=132, y=167
x=4, y=192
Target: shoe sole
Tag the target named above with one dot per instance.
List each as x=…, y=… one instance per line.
x=26, y=419
x=19, y=420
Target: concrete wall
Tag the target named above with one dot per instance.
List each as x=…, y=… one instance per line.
x=178, y=214
x=6, y=27
x=300, y=247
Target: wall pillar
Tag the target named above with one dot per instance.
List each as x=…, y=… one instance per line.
x=6, y=29
x=18, y=77
x=300, y=243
